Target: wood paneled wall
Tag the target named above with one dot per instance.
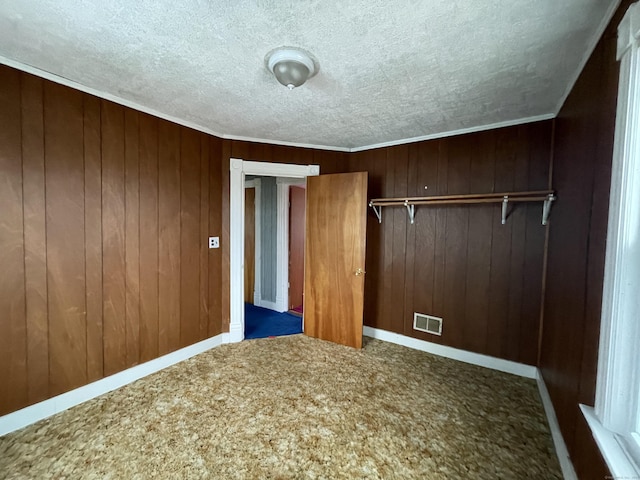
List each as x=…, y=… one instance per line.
x=103, y=227
x=583, y=148
x=105, y=213
x=460, y=262
x=329, y=162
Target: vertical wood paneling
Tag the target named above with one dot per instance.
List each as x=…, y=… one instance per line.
x=331, y=162
x=168, y=237
x=499, y=287
x=239, y=149
x=64, y=170
x=224, y=237
x=217, y=286
x=204, y=234
x=582, y=154
x=459, y=262
x=132, y=237
x=531, y=289
x=439, y=243
x=373, y=241
x=410, y=250
x=96, y=221
x=93, y=236
x=456, y=240
x=516, y=280
x=35, y=238
x=389, y=305
x=399, y=158
x=13, y=341
x=425, y=237
x=250, y=245
x=481, y=179
x=148, y=146
x=517, y=223
x=189, y=234
x=144, y=194
x=378, y=277
x=538, y=146
x=608, y=67
x=113, y=238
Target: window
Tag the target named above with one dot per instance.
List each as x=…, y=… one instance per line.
x=615, y=421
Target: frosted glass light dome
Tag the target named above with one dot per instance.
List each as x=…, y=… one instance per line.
x=291, y=66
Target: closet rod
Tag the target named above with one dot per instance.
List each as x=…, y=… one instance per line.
x=545, y=196
x=401, y=200
x=460, y=202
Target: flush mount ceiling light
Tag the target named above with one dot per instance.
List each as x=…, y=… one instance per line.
x=291, y=66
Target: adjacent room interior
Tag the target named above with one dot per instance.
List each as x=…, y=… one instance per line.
x=421, y=217
x=273, y=295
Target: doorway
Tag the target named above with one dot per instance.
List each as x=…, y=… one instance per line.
x=238, y=170
x=297, y=200
x=266, y=288
x=250, y=257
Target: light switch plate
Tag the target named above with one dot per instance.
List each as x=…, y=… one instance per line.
x=214, y=242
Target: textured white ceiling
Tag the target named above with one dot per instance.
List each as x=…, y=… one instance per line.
x=389, y=70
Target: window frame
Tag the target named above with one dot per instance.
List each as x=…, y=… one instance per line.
x=615, y=420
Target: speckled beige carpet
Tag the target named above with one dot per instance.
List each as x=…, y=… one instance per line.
x=296, y=407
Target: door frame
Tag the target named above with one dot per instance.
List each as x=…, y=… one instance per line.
x=238, y=168
x=282, y=260
x=256, y=184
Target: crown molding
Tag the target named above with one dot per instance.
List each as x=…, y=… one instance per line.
x=225, y=136
x=461, y=131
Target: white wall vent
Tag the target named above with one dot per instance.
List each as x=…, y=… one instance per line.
x=427, y=323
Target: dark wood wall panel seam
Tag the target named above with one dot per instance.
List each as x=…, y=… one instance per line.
x=93, y=240
x=75, y=182
x=34, y=237
x=24, y=256
x=157, y=239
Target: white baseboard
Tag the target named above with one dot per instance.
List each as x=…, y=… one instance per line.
x=236, y=333
x=270, y=305
x=486, y=361
x=281, y=304
x=558, y=441
x=34, y=413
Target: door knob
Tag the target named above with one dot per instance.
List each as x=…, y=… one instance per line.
x=359, y=272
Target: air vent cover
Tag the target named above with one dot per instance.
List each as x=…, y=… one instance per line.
x=427, y=323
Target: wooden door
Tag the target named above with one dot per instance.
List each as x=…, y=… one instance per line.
x=334, y=257
x=249, y=243
x=296, y=246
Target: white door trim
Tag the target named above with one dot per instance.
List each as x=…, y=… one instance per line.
x=282, y=247
x=282, y=261
x=256, y=184
x=238, y=169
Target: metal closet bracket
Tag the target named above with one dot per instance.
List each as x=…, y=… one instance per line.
x=546, y=208
x=377, y=211
x=411, y=209
x=505, y=202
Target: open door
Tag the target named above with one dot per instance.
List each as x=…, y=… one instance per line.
x=336, y=226
x=297, y=201
x=249, y=243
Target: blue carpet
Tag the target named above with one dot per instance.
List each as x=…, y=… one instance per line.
x=261, y=323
